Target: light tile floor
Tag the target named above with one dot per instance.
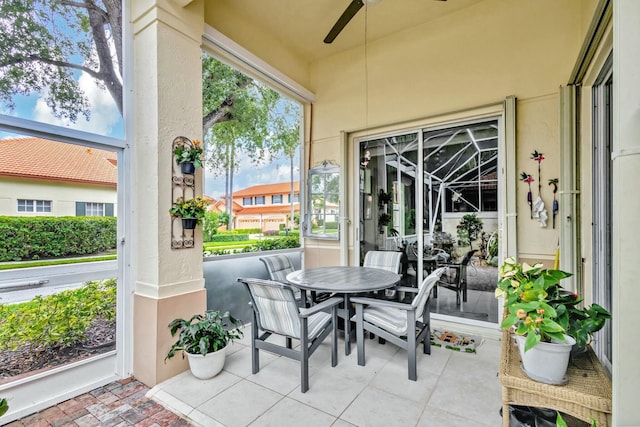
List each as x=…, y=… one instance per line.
x=453, y=389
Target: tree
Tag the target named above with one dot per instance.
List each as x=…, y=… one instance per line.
x=286, y=139
x=244, y=116
x=46, y=44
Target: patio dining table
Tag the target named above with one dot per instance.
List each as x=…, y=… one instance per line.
x=346, y=281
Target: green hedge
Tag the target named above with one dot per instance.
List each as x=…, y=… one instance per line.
x=229, y=238
x=273, y=244
x=60, y=320
x=37, y=237
x=244, y=231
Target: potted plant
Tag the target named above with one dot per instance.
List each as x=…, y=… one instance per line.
x=579, y=323
x=188, y=154
x=191, y=211
x=533, y=314
x=204, y=339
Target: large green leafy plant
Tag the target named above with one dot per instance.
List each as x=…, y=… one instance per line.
x=580, y=323
x=204, y=334
x=525, y=289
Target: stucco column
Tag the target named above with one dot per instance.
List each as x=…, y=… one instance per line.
x=626, y=206
x=168, y=103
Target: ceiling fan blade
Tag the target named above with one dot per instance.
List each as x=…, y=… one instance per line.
x=344, y=19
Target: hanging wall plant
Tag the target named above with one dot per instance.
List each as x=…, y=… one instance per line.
x=188, y=154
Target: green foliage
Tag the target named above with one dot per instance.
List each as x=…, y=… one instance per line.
x=245, y=231
x=203, y=334
x=468, y=229
x=293, y=241
x=529, y=306
x=190, y=208
x=580, y=323
x=185, y=152
x=43, y=44
x=57, y=320
x=38, y=237
x=4, y=406
x=229, y=237
x=211, y=224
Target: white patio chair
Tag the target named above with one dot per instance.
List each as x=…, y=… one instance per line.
x=275, y=311
x=405, y=325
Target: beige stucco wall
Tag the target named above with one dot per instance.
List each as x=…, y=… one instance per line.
x=63, y=196
x=168, y=98
x=475, y=57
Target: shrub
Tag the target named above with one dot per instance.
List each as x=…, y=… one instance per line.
x=229, y=237
x=274, y=244
x=246, y=231
x=38, y=237
x=60, y=320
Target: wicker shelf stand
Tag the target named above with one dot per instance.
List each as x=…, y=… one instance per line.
x=587, y=393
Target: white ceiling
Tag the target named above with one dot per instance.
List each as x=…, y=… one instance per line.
x=302, y=25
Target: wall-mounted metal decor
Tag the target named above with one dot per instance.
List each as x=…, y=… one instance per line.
x=183, y=187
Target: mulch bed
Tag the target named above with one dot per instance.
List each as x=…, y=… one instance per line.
x=26, y=361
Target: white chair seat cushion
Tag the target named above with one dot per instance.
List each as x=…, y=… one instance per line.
x=390, y=319
x=316, y=323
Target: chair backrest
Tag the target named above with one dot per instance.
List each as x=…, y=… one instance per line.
x=424, y=289
x=278, y=266
x=385, y=260
x=467, y=257
x=275, y=306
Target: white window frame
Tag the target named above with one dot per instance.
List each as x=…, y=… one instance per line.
x=94, y=209
x=36, y=206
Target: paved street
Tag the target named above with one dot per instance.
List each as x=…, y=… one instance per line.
x=23, y=284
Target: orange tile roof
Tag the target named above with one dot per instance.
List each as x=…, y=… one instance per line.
x=267, y=209
x=57, y=161
x=266, y=189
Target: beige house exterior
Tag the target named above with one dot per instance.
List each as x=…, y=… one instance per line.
x=265, y=206
x=532, y=65
x=39, y=177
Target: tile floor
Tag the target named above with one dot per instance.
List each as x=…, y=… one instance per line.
x=453, y=389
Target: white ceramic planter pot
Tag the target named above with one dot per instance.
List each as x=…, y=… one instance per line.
x=208, y=366
x=546, y=362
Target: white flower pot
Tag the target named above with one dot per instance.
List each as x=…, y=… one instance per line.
x=547, y=361
x=208, y=366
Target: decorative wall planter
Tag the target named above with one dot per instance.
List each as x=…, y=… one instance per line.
x=187, y=168
x=189, y=223
x=546, y=362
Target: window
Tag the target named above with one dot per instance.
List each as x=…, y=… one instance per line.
x=276, y=199
x=296, y=198
x=247, y=201
x=34, y=205
x=94, y=209
x=323, y=204
x=602, y=210
x=260, y=200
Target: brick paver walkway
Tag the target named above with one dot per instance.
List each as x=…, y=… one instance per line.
x=118, y=404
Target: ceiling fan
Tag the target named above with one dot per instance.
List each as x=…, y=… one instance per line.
x=347, y=15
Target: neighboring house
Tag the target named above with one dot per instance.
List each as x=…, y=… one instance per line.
x=40, y=177
x=264, y=206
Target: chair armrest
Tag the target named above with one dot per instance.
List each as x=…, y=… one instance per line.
x=328, y=303
x=382, y=303
x=405, y=289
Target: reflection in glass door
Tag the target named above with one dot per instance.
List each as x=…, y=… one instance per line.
x=417, y=188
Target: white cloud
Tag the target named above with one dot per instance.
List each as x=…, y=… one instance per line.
x=104, y=112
